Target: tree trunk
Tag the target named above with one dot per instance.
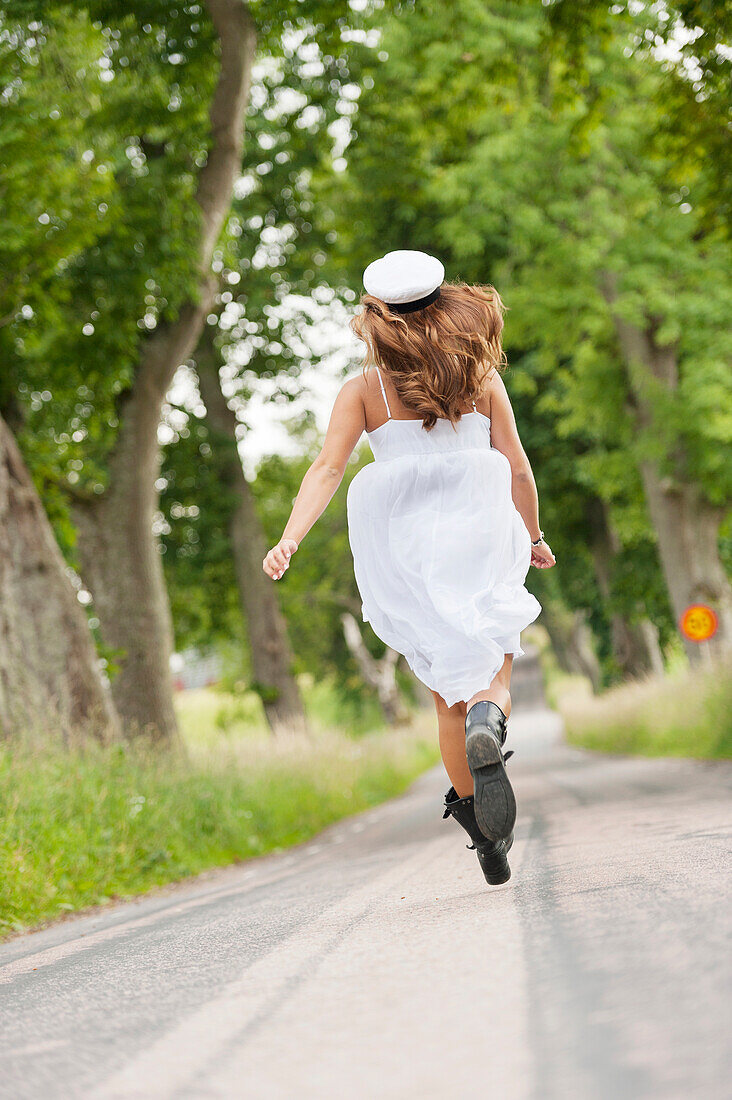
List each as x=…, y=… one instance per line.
x=688, y=545
x=380, y=675
x=571, y=639
x=271, y=654
x=687, y=526
x=122, y=567
x=50, y=682
x=118, y=550
x=653, y=645
x=635, y=647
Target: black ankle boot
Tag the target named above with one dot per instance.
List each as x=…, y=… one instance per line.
x=491, y=855
x=495, y=803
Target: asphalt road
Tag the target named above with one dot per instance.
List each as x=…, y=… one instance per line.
x=374, y=962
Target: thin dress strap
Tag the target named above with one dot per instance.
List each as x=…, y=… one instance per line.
x=383, y=393
x=474, y=406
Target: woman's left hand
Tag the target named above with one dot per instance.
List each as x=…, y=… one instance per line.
x=542, y=557
x=278, y=558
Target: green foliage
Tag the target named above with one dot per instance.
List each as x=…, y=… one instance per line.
x=543, y=163
x=122, y=263
x=114, y=100
x=119, y=98
x=331, y=703
x=196, y=509
x=548, y=148
x=321, y=586
x=83, y=828
x=651, y=718
x=313, y=595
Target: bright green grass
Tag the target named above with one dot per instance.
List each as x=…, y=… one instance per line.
x=685, y=714
x=80, y=828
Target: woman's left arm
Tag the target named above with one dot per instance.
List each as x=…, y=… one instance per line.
x=505, y=438
x=347, y=422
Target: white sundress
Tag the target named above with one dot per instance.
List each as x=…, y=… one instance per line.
x=440, y=552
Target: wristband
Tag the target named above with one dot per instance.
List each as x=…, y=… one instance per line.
x=535, y=542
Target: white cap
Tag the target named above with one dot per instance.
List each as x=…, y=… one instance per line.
x=405, y=280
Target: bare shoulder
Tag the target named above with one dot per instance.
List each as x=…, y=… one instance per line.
x=494, y=393
x=349, y=409
x=369, y=382
x=354, y=390
x=355, y=383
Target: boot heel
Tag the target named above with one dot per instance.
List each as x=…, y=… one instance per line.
x=482, y=750
x=494, y=864
x=491, y=856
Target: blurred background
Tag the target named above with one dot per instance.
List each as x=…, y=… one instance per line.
x=189, y=195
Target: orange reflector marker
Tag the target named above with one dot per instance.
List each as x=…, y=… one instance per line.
x=698, y=623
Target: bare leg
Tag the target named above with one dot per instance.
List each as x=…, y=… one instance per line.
x=500, y=690
x=451, y=722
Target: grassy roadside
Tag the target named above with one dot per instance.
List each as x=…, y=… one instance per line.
x=82, y=828
x=687, y=713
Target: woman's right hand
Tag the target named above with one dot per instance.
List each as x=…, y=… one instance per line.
x=542, y=557
x=278, y=558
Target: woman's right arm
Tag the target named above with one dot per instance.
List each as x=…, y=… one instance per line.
x=505, y=438
x=347, y=422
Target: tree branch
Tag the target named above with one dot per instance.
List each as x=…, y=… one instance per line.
x=238, y=37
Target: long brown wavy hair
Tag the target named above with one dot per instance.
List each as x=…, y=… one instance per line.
x=440, y=357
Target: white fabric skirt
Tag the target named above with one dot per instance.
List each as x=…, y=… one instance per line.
x=441, y=553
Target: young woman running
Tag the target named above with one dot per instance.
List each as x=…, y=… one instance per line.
x=443, y=524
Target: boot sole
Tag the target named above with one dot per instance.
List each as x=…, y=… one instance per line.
x=495, y=802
